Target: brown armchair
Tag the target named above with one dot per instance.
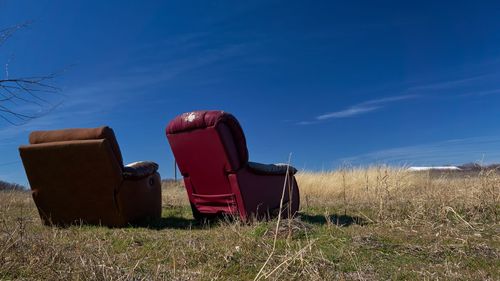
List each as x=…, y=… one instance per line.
x=78, y=176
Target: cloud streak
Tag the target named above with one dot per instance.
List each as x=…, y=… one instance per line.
x=359, y=109
x=474, y=84
x=443, y=85
x=349, y=112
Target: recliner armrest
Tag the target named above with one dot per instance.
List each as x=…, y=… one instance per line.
x=139, y=170
x=271, y=169
x=139, y=200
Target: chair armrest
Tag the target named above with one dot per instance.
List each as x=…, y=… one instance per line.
x=271, y=169
x=262, y=192
x=140, y=199
x=139, y=170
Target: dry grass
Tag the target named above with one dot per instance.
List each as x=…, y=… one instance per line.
x=355, y=224
x=395, y=194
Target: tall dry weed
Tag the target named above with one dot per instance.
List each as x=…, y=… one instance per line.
x=384, y=193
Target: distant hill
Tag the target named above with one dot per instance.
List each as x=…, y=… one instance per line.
x=11, y=186
x=478, y=167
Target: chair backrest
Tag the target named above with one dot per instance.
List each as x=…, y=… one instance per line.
x=104, y=132
x=208, y=145
x=74, y=175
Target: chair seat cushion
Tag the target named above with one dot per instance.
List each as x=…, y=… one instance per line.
x=139, y=170
x=271, y=169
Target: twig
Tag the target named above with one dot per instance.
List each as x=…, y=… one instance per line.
x=293, y=257
x=257, y=277
x=25, y=90
x=450, y=209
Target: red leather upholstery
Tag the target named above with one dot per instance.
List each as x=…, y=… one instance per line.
x=211, y=152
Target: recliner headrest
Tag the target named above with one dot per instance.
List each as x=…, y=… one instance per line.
x=105, y=132
x=210, y=118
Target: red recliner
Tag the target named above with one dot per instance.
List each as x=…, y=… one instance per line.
x=211, y=153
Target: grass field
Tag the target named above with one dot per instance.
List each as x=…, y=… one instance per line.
x=355, y=224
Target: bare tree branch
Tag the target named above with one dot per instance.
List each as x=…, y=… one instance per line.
x=21, y=96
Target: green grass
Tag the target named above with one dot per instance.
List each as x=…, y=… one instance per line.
x=324, y=243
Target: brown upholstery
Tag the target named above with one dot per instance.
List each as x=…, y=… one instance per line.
x=78, y=134
x=76, y=176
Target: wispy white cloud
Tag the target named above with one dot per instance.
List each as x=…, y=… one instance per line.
x=349, y=112
x=389, y=99
x=482, y=93
x=453, y=83
x=475, y=84
x=358, y=109
x=307, y=122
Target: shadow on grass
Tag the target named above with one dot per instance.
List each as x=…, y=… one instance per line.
x=174, y=222
x=339, y=220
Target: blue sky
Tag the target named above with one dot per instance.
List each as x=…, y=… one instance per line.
x=332, y=82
